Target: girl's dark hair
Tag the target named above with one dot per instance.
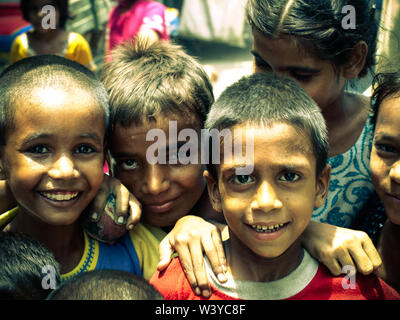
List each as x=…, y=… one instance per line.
x=387, y=85
x=317, y=25
x=62, y=6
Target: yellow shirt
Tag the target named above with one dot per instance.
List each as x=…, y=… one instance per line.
x=76, y=49
x=145, y=240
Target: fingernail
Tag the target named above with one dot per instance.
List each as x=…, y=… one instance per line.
x=221, y=277
x=206, y=293
x=197, y=291
x=94, y=215
x=121, y=219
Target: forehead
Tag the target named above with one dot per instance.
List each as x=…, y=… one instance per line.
x=284, y=51
x=277, y=144
x=168, y=124
x=388, y=121
x=52, y=104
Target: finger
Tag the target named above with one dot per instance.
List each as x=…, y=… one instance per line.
x=199, y=270
x=344, y=259
x=333, y=266
x=372, y=253
x=362, y=261
x=213, y=256
x=135, y=212
x=187, y=266
x=121, y=204
x=216, y=236
x=165, y=250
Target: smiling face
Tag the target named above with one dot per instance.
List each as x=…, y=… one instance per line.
x=270, y=208
x=167, y=192
x=282, y=56
x=53, y=157
x=385, y=157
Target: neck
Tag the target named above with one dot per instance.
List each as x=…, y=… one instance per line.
x=335, y=111
x=244, y=264
x=47, y=36
x=63, y=241
x=204, y=209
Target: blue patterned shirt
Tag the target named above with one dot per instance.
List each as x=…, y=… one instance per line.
x=350, y=185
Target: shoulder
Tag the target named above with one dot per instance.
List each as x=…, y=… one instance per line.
x=351, y=286
x=172, y=282
x=75, y=38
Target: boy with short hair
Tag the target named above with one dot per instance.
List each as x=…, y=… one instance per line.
x=284, y=137
x=106, y=285
x=28, y=271
x=158, y=88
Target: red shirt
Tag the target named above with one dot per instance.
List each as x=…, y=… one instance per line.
x=173, y=285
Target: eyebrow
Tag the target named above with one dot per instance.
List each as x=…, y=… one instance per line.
x=386, y=137
x=40, y=135
x=299, y=69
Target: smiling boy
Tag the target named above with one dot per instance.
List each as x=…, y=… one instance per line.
x=268, y=210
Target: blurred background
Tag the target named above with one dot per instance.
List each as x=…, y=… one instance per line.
x=214, y=31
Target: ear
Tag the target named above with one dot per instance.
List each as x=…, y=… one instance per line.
x=322, y=186
x=352, y=68
x=213, y=191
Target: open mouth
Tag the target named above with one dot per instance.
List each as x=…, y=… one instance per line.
x=59, y=195
x=268, y=229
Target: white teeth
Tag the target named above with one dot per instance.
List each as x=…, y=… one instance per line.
x=263, y=228
x=59, y=196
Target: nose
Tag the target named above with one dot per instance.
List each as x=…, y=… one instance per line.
x=266, y=198
x=63, y=168
x=394, y=172
x=156, y=180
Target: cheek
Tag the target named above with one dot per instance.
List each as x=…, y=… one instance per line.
x=190, y=176
x=379, y=171
x=130, y=179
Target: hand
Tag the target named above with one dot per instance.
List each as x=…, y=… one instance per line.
x=337, y=247
x=114, y=211
x=190, y=236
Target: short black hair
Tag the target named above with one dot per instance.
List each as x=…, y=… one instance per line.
x=62, y=6
x=265, y=98
x=149, y=81
x=106, y=285
x=19, y=80
x=317, y=25
x=386, y=85
x=22, y=260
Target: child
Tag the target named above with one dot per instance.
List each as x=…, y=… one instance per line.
x=40, y=40
x=131, y=18
x=157, y=86
x=385, y=171
x=305, y=40
x=54, y=168
x=268, y=209
x=24, y=266
x=106, y=285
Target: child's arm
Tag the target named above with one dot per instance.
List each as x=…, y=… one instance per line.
x=113, y=202
x=337, y=247
x=190, y=237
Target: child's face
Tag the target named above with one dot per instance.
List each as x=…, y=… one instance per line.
x=269, y=209
x=385, y=157
x=167, y=192
x=36, y=15
x=54, y=155
x=282, y=56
